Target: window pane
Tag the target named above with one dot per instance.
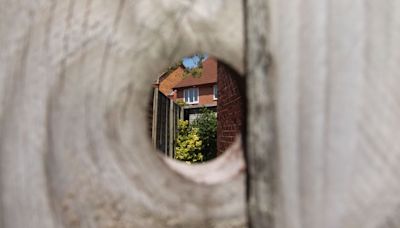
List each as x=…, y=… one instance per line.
x=191, y=95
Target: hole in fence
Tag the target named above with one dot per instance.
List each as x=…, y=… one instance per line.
x=196, y=109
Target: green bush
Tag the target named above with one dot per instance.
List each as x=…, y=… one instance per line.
x=188, y=143
x=207, y=125
x=194, y=72
x=181, y=102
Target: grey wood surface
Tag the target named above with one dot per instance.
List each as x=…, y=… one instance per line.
x=261, y=131
x=337, y=69
x=323, y=145
x=75, y=78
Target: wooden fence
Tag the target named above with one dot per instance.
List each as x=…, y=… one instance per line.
x=165, y=115
x=322, y=126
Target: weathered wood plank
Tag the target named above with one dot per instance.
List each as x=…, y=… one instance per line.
x=261, y=134
x=75, y=78
x=337, y=112
x=322, y=143
x=336, y=69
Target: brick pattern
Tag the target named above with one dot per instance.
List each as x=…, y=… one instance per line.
x=230, y=108
x=206, y=94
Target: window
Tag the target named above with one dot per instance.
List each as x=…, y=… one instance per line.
x=215, y=92
x=191, y=95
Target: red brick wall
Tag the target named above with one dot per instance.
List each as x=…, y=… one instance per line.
x=230, y=107
x=206, y=94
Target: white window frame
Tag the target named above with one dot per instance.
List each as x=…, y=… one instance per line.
x=190, y=90
x=215, y=87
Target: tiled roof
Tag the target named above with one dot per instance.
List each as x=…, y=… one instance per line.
x=168, y=81
x=208, y=76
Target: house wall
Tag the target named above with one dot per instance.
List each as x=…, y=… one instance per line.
x=206, y=95
x=230, y=108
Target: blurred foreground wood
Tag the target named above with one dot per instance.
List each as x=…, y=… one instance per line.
x=75, y=78
x=322, y=141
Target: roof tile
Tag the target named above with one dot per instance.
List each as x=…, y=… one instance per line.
x=208, y=76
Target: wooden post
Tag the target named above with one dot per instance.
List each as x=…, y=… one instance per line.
x=166, y=124
x=182, y=113
x=334, y=70
x=155, y=117
x=171, y=129
x=74, y=85
x=261, y=136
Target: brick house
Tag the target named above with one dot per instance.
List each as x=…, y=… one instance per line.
x=199, y=92
x=219, y=88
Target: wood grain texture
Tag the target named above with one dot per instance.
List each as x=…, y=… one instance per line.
x=335, y=75
x=261, y=131
x=323, y=143
x=337, y=69
x=75, y=77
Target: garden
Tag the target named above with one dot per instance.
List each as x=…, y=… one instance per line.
x=197, y=141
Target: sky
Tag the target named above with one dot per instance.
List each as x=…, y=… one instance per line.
x=190, y=62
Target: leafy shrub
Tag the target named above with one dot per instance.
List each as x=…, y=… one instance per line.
x=194, y=72
x=207, y=125
x=180, y=102
x=188, y=143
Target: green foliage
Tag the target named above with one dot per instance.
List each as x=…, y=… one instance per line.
x=198, y=62
x=188, y=143
x=198, y=59
x=206, y=124
x=174, y=67
x=197, y=142
x=194, y=72
x=180, y=102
